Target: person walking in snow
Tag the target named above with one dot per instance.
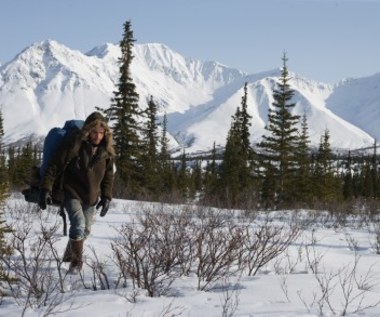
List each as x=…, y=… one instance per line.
x=86, y=158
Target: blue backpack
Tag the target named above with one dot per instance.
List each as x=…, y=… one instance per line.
x=53, y=140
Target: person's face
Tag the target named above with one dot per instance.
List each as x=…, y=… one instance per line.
x=96, y=135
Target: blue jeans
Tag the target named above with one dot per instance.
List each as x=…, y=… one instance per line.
x=81, y=218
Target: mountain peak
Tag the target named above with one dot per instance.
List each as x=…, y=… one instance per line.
x=45, y=47
x=48, y=83
x=104, y=50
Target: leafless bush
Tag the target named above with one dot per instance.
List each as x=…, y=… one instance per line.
x=217, y=246
x=230, y=297
x=374, y=229
x=99, y=278
x=37, y=285
x=148, y=252
x=210, y=243
x=170, y=310
x=287, y=264
x=129, y=296
x=344, y=282
x=265, y=241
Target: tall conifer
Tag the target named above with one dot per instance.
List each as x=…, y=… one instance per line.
x=280, y=144
x=348, y=179
x=150, y=158
x=327, y=186
x=302, y=185
x=210, y=180
x=166, y=168
x=236, y=174
x=4, y=189
x=125, y=114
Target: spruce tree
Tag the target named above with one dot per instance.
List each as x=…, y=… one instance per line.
x=1, y=127
x=302, y=185
x=375, y=174
x=245, y=124
x=4, y=178
x=195, y=182
x=236, y=172
x=21, y=162
x=230, y=166
x=279, y=146
x=164, y=142
x=183, y=178
x=166, y=168
x=327, y=186
x=4, y=189
x=125, y=114
x=348, y=179
x=150, y=154
x=210, y=180
x=367, y=179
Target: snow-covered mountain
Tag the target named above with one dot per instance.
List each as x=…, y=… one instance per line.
x=48, y=83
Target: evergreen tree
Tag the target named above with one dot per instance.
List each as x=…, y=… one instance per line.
x=150, y=154
x=348, y=180
x=236, y=173
x=20, y=164
x=11, y=154
x=280, y=145
x=195, y=179
x=1, y=127
x=268, y=184
x=125, y=114
x=367, y=179
x=182, y=177
x=375, y=173
x=164, y=142
x=4, y=179
x=166, y=167
x=245, y=124
x=302, y=185
x=327, y=186
x=4, y=189
x=210, y=181
x=230, y=166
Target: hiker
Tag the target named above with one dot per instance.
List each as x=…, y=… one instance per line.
x=84, y=161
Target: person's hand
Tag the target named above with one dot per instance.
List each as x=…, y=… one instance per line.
x=44, y=199
x=105, y=204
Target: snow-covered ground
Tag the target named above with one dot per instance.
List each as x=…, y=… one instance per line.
x=343, y=258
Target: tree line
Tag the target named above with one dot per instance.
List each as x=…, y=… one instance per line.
x=281, y=171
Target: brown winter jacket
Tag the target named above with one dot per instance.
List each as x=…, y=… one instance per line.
x=85, y=176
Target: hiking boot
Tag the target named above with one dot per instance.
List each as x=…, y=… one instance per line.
x=76, y=252
x=67, y=255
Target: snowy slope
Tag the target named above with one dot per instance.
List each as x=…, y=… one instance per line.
x=48, y=83
x=357, y=101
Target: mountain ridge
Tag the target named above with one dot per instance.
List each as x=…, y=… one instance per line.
x=48, y=83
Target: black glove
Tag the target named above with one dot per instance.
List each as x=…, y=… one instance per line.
x=105, y=204
x=44, y=199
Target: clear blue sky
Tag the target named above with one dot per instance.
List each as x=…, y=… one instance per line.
x=325, y=40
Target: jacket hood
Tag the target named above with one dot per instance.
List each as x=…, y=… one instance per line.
x=93, y=121
x=95, y=116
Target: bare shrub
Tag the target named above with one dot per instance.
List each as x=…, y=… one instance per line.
x=265, y=241
x=148, y=252
x=217, y=247
x=230, y=297
x=170, y=310
x=344, y=282
x=99, y=277
x=34, y=264
x=374, y=229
